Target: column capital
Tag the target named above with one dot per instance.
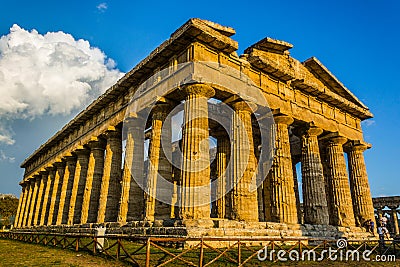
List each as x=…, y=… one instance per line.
x=160, y=111
x=112, y=133
x=242, y=105
x=59, y=164
x=356, y=145
x=69, y=158
x=283, y=119
x=199, y=89
x=81, y=151
x=50, y=168
x=97, y=143
x=334, y=138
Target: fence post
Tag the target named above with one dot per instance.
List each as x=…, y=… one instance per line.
x=239, y=254
x=118, y=247
x=148, y=252
x=201, y=252
x=77, y=244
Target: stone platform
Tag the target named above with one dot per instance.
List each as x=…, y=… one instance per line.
x=218, y=228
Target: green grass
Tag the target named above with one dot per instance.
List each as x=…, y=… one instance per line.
x=15, y=253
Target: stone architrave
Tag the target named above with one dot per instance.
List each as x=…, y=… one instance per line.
x=47, y=195
x=314, y=196
x=279, y=195
x=91, y=195
x=78, y=187
x=39, y=202
x=55, y=195
x=342, y=208
x=195, y=170
x=359, y=185
x=243, y=173
x=110, y=192
x=66, y=188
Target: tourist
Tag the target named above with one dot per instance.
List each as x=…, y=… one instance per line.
x=381, y=235
x=371, y=226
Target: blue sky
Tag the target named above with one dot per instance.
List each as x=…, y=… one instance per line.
x=357, y=40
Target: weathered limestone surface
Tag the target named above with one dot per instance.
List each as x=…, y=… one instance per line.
x=359, y=185
x=91, y=196
x=342, y=207
x=279, y=196
x=195, y=172
x=244, y=194
x=78, y=188
x=32, y=206
x=315, y=204
x=110, y=185
x=21, y=203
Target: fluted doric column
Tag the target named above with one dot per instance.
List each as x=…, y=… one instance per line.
x=30, y=187
x=66, y=189
x=223, y=154
x=39, y=202
x=21, y=206
x=34, y=199
x=132, y=198
x=279, y=196
x=395, y=220
x=243, y=174
x=110, y=185
x=157, y=165
x=196, y=194
x=342, y=208
x=314, y=195
x=55, y=195
x=91, y=195
x=47, y=195
x=78, y=187
x=359, y=185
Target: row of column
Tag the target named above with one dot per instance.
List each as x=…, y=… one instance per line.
x=89, y=186
x=393, y=216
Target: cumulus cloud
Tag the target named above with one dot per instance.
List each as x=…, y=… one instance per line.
x=48, y=74
x=102, y=7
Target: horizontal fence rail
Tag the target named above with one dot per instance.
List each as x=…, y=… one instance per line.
x=212, y=251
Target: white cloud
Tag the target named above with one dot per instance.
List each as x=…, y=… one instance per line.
x=102, y=7
x=48, y=74
x=368, y=123
x=4, y=157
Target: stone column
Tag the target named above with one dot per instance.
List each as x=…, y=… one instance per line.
x=29, y=187
x=111, y=182
x=156, y=160
x=91, y=196
x=132, y=198
x=279, y=195
x=223, y=154
x=195, y=175
x=33, y=205
x=55, y=195
x=47, y=195
x=66, y=189
x=243, y=170
x=42, y=183
x=78, y=188
x=359, y=186
x=20, y=207
x=342, y=207
x=314, y=196
x=395, y=220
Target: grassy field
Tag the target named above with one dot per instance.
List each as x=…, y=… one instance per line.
x=15, y=253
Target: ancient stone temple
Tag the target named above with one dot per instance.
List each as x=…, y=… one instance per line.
x=117, y=163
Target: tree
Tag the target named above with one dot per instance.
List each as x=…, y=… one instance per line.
x=8, y=209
